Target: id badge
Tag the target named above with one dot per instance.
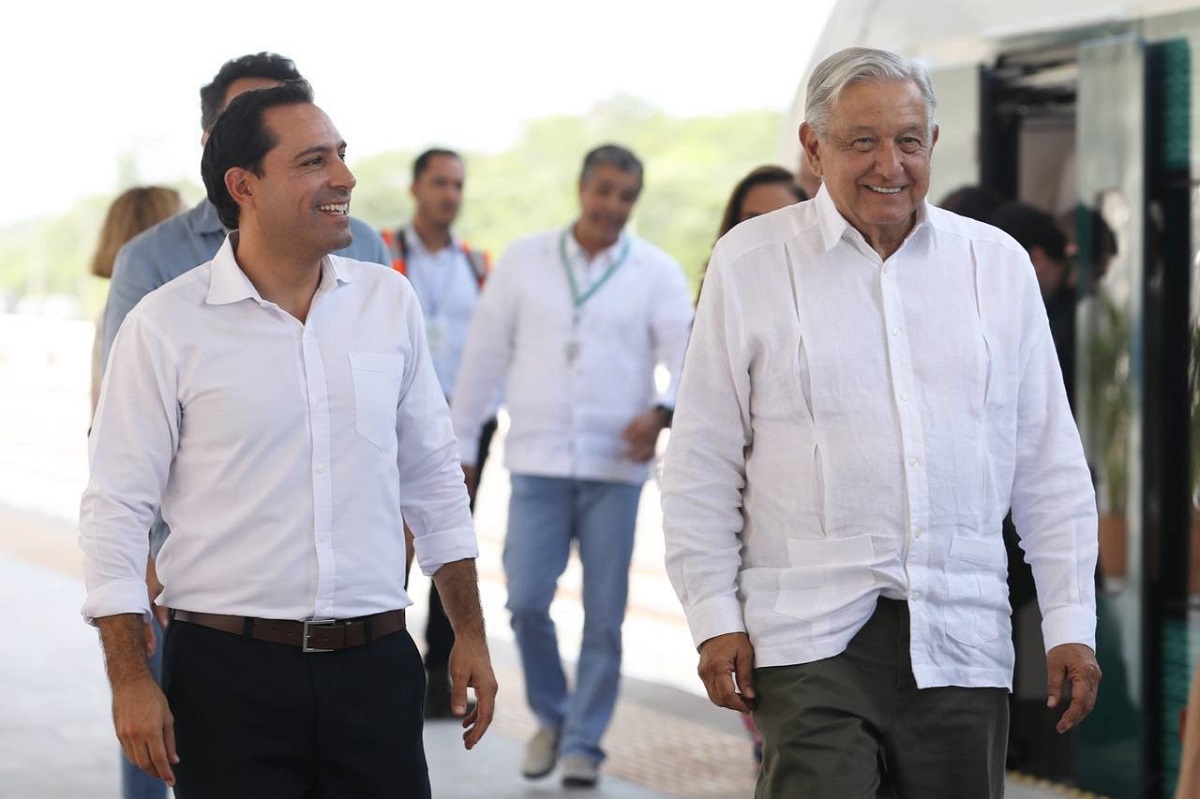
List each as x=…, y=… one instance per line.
x=435, y=333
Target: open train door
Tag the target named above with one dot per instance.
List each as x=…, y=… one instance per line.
x=1137, y=373
x=1095, y=129
x=1114, y=746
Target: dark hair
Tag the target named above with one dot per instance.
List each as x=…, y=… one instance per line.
x=1031, y=228
x=1098, y=243
x=424, y=159
x=614, y=155
x=762, y=176
x=977, y=202
x=269, y=66
x=240, y=138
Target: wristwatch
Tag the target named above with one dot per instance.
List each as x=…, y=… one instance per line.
x=666, y=414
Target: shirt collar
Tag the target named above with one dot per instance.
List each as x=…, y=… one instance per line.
x=576, y=253
x=414, y=244
x=834, y=226
x=229, y=284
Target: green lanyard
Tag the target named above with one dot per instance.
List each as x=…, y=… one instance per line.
x=577, y=298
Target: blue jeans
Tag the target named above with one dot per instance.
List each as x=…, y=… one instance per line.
x=135, y=783
x=546, y=514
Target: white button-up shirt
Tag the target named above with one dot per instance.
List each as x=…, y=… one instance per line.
x=448, y=288
x=849, y=427
x=572, y=387
x=283, y=453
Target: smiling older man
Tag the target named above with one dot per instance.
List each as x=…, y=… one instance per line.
x=870, y=385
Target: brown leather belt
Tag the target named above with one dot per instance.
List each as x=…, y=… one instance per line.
x=314, y=635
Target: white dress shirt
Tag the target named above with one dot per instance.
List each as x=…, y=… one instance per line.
x=849, y=427
x=572, y=386
x=283, y=453
x=448, y=288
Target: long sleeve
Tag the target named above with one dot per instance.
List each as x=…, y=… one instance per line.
x=433, y=497
x=704, y=471
x=670, y=323
x=1053, y=503
x=486, y=357
x=134, y=437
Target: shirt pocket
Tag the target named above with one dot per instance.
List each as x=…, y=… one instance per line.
x=825, y=575
x=377, y=377
x=975, y=583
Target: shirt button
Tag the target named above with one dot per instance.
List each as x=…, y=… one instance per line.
x=917, y=533
x=903, y=397
x=914, y=461
x=322, y=468
x=914, y=596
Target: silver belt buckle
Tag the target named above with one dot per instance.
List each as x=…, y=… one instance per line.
x=308, y=625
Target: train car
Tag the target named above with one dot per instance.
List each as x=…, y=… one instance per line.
x=1090, y=113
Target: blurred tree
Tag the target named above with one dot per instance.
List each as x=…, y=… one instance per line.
x=691, y=166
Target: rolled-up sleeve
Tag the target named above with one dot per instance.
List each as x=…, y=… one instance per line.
x=433, y=495
x=134, y=437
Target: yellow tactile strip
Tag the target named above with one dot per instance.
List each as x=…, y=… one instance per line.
x=1020, y=778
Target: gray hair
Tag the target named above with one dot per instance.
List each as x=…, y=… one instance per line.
x=615, y=156
x=860, y=65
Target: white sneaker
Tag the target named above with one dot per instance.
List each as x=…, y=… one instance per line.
x=541, y=753
x=580, y=772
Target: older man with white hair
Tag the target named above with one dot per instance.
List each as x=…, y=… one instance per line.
x=870, y=385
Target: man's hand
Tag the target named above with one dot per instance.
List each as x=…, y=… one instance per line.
x=724, y=659
x=145, y=727
x=142, y=719
x=641, y=435
x=471, y=666
x=1074, y=663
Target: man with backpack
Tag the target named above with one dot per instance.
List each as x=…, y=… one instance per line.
x=447, y=276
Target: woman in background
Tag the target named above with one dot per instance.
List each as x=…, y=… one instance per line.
x=133, y=211
x=765, y=189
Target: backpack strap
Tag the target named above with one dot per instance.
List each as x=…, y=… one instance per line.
x=480, y=261
x=397, y=247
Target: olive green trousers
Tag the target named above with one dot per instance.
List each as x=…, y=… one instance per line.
x=855, y=726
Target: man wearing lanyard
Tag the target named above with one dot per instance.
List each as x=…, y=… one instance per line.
x=280, y=403
x=446, y=275
x=576, y=319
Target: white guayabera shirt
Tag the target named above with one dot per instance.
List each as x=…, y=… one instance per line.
x=283, y=453
x=577, y=374
x=849, y=428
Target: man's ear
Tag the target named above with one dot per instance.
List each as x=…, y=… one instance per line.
x=809, y=143
x=240, y=183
